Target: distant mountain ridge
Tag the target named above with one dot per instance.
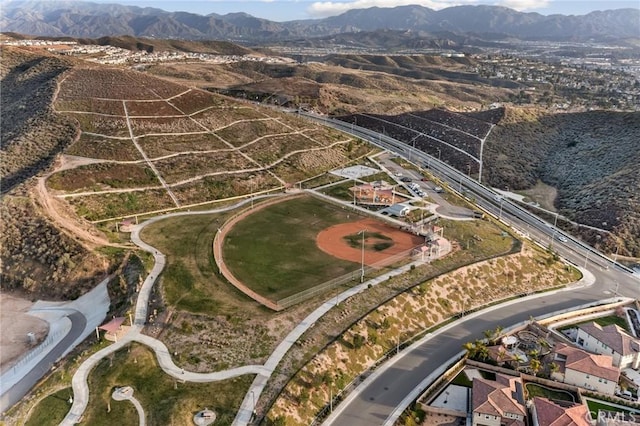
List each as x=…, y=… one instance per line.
x=85, y=19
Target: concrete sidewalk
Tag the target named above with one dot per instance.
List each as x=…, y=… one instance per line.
x=257, y=387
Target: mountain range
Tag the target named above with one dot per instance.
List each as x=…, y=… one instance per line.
x=85, y=19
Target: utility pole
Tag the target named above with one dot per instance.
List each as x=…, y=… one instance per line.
x=364, y=231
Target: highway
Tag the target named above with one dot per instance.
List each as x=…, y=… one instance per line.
x=374, y=401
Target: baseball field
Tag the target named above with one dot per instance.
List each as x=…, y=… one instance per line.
x=291, y=246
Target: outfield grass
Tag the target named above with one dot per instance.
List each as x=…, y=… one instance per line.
x=164, y=400
x=274, y=251
x=51, y=410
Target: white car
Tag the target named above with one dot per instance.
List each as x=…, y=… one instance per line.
x=562, y=238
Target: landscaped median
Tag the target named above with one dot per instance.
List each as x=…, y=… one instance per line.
x=424, y=307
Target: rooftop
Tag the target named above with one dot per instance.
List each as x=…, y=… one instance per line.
x=584, y=362
x=613, y=336
x=504, y=395
x=550, y=413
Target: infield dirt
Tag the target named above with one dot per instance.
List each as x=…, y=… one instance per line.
x=332, y=241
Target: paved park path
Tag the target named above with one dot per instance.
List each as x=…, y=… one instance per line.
x=79, y=381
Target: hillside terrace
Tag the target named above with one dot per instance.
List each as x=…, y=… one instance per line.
x=455, y=138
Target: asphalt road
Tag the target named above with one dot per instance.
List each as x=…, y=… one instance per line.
x=376, y=399
x=20, y=389
x=380, y=397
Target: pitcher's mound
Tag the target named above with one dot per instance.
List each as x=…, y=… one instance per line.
x=332, y=241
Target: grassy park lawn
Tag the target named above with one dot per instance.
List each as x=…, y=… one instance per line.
x=190, y=281
x=274, y=251
x=340, y=191
x=165, y=400
x=447, y=286
x=51, y=410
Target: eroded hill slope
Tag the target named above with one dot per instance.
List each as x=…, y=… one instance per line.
x=591, y=158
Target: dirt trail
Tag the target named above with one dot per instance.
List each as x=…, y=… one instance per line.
x=85, y=234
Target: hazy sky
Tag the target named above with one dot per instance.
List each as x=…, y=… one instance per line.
x=287, y=10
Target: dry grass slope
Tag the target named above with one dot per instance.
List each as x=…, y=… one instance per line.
x=31, y=134
x=591, y=158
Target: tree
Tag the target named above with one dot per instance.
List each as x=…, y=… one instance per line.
x=518, y=359
x=471, y=349
x=482, y=352
x=554, y=368
x=534, y=366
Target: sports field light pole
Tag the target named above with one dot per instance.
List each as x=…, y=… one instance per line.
x=354, y=191
x=362, y=258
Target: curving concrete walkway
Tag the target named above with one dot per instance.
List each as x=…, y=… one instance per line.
x=126, y=394
x=79, y=381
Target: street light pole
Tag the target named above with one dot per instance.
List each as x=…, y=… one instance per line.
x=553, y=234
x=331, y=397
x=439, y=153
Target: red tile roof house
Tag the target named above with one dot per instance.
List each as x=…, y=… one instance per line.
x=548, y=413
x=585, y=370
x=610, y=340
x=499, y=402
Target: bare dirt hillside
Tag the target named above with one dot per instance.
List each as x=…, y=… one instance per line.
x=591, y=158
x=37, y=258
x=349, y=83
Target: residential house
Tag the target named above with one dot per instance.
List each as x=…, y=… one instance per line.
x=610, y=340
x=560, y=413
x=499, y=402
x=589, y=371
